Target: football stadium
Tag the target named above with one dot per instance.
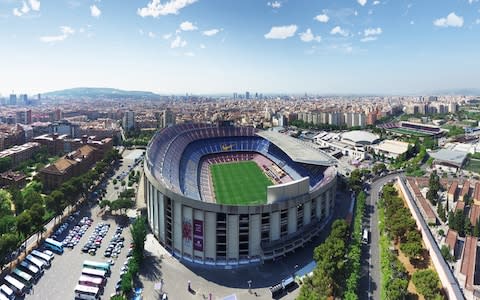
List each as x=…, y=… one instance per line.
x=221, y=195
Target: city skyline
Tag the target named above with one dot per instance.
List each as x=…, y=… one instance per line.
x=202, y=47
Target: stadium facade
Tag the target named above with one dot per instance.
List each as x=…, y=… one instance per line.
x=185, y=218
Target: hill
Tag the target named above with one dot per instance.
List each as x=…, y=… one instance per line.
x=98, y=93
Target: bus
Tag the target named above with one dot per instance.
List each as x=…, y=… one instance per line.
x=47, y=258
x=94, y=273
x=5, y=290
x=97, y=265
x=23, y=277
x=4, y=297
x=31, y=269
x=86, y=292
x=18, y=287
x=36, y=262
x=53, y=245
x=91, y=281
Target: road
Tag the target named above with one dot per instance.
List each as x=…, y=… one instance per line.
x=370, y=284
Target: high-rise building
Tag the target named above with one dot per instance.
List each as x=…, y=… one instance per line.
x=13, y=100
x=128, y=121
x=24, y=99
x=247, y=95
x=24, y=117
x=167, y=119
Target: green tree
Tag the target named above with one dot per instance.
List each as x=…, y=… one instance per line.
x=5, y=203
x=138, y=231
x=7, y=224
x=426, y=282
x=17, y=199
x=8, y=243
x=24, y=223
x=412, y=247
x=317, y=287
x=397, y=289
x=37, y=211
x=441, y=212
x=447, y=255
x=5, y=164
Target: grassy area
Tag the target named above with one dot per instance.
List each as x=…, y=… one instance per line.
x=473, y=165
x=240, y=183
x=407, y=132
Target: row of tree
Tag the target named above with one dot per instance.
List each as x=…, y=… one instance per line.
x=331, y=270
x=355, y=250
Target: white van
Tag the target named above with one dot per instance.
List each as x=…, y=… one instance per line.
x=365, y=236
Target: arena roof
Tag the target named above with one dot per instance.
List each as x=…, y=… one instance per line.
x=297, y=150
x=453, y=157
x=360, y=137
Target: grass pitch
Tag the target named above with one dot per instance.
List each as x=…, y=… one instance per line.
x=241, y=183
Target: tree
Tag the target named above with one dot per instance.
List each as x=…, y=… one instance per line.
x=24, y=223
x=317, y=287
x=5, y=203
x=104, y=203
x=412, y=247
x=379, y=168
x=8, y=243
x=447, y=255
x=426, y=282
x=397, y=289
x=37, y=211
x=7, y=224
x=441, y=212
x=467, y=199
x=17, y=199
x=355, y=180
x=139, y=235
x=5, y=164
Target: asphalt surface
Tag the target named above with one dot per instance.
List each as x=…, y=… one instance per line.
x=370, y=283
x=58, y=282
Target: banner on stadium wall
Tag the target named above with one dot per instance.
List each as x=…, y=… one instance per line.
x=187, y=232
x=198, y=235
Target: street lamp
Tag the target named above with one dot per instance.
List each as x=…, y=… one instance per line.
x=249, y=286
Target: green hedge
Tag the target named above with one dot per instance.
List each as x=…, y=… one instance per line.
x=355, y=251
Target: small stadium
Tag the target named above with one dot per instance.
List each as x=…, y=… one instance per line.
x=220, y=195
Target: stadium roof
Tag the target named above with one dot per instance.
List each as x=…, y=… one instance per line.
x=298, y=151
x=453, y=157
x=360, y=137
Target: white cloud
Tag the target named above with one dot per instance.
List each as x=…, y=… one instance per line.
x=167, y=36
x=140, y=31
x=362, y=2
x=371, y=34
x=471, y=1
x=188, y=26
x=151, y=34
x=66, y=31
x=211, y=32
x=190, y=54
x=274, y=4
x=372, y=31
x=178, y=43
x=338, y=30
x=281, y=32
x=155, y=8
x=308, y=36
x=202, y=46
x=323, y=18
x=412, y=22
x=477, y=21
x=21, y=11
x=452, y=20
x=376, y=2
x=95, y=11
x=34, y=4
x=369, y=39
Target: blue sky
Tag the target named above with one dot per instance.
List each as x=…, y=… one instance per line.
x=223, y=46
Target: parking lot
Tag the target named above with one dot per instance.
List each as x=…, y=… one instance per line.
x=60, y=279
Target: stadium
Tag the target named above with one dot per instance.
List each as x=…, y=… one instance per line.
x=222, y=195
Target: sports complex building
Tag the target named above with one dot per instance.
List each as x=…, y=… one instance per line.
x=224, y=195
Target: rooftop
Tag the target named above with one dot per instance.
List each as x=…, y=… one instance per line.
x=391, y=146
x=453, y=157
x=360, y=137
x=299, y=151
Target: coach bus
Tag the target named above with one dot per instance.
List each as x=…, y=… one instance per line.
x=18, y=287
x=95, y=273
x=86, y=292
x=23, y=277
x=97, y=265
x=4, y=297
x=91, y=281
x=47, y=258
x=5, y=290
x=53, y=245
x=36, y=262
x=31, y=269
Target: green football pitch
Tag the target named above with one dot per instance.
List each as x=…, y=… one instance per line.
x=241, y=183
